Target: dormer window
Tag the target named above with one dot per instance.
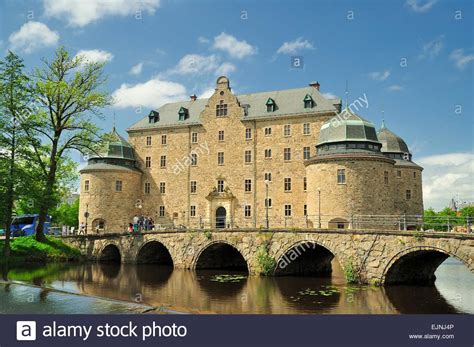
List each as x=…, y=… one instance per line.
x=308, y=101
x=153, y=117
x=183, y=113
x=271, y=105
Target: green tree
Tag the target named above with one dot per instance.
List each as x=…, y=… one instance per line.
x=66, y=214
x=67, y=90
x=14, y=109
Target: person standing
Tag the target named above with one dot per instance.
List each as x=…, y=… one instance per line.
x=135, y=223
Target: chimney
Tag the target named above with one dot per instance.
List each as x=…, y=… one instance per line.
x=193, y=97
x=314, y=85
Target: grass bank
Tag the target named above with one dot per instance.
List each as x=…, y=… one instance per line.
x=26, y=249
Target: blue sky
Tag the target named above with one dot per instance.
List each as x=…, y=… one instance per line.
x=412, y=58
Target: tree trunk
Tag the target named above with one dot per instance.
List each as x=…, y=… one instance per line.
x=10, y=196
x=48, y=192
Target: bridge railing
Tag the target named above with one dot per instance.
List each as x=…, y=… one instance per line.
x=365, y=222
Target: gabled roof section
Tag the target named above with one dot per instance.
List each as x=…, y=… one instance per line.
x=289, y=103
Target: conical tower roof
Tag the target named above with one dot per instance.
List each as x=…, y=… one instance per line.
x=391, y=142
x=115, y=146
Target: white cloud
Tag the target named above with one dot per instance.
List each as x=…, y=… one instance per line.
x=33, y=36
x=225, y=69
x=195, y=64
x=329, y=95
x=207, y=93
x=293, y=47
x=202, y=39
x=433, y=48
x=421, y=5
x=151, y=94
x=79, y=13
x=379, y=76
x=446, y=176
x=395, y=88
x=460, y=59
x=235, y=48
x=95, y=56
x=136, y=69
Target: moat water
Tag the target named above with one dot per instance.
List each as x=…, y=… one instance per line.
x=115, y=288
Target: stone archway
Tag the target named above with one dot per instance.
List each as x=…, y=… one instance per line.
x=220, y=255
x=110, y=254
x=221, y=217
x=154, y=252
x=98, y=224
x=305, y=258
x=416, y=265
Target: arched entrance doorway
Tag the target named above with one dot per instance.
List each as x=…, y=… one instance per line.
x=221, y=217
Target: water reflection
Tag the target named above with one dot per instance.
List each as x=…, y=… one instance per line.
x=225, y=291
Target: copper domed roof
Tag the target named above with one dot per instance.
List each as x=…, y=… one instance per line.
x=391, y=142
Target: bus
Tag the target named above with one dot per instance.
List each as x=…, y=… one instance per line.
x=25, y=225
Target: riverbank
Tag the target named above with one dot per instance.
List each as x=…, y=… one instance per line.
x=26, y=249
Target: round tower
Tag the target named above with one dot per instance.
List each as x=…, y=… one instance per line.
x=350, y=178
x=110, y=187
x=408, y=187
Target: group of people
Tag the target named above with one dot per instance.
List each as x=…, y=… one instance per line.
x=141, y=223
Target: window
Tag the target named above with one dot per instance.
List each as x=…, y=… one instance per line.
x=162, y=211
x=147, y=162
x=287, y=154
x=220, y=186
x=221, y=109
x=194, y=137
x=118, y=186
x=268, y=153
x=148, y=140
x=306, y=129
x=163, y=161
x=147, y=187
x=268, y=131
x=414, y=174
x=305, y=210
x=341, y=176
x=248, y=133
x=408, y=194
x=163, y=140
x=340, y=225
x=385, y=177
x=248, y=211
x=248, y=185
x=287, y=130
x=194, y=159
x=305, y=184
x=287, y=184
x=268, y=176
x=287, y=210
x=220, y=158
x=306, y=152
x=193, y=187
x=86, y=185
x=268, y=202
x=183, y=114
x=162, y=188
x=399, y=173
x=248, y=156
x=308, y=101
x=271, y=106
x=221, y=135
x=193, y=211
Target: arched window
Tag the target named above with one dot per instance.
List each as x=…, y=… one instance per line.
x=98, y=224
x=271, y=105
x=308, y=101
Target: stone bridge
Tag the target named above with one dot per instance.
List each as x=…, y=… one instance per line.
x=378, y=257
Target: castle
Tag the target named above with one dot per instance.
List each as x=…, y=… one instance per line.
x=287, y=159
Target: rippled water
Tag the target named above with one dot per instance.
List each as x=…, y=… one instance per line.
x=221, y=291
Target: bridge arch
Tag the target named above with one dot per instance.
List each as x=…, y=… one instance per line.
x=110, y=253
x=416, y=265
x=220, y=254
x=306, y=258
x=154, y=252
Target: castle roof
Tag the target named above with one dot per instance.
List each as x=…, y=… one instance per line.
x=347, y=127
x=288, y=102
x=391, y=142
x=115, y=146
